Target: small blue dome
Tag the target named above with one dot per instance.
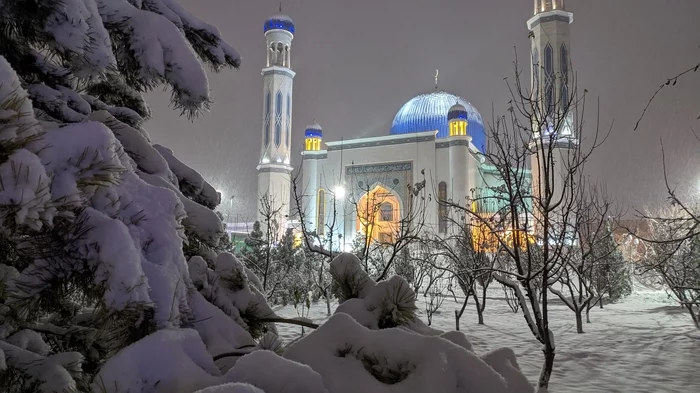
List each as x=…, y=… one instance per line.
x=313, y=131
x=457, y=111
x=429, y=112
x=279, y=22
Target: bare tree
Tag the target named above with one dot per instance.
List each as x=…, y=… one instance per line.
x=674, y=256
x=405, y=230
x=675, y=235
x=536, y=213
x=592, y=221
x=434, y=294
x=318, y=242
x=258, y=255
x=467, y=261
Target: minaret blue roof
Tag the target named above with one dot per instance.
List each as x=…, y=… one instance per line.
x=313, y=131
x=429, y=112
x=279, y=22
x=457, y=111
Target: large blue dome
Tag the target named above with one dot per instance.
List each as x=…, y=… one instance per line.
x=428, y=112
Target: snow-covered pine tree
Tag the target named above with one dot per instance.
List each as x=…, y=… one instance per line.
x=92, y=216
x=610, y=274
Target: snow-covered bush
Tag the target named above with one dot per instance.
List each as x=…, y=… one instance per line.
x=175, y=361
x=352, y=358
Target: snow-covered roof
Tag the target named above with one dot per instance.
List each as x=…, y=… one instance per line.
x=279, y=22
x=313, y=130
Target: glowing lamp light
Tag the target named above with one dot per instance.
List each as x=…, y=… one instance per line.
x=339, y=192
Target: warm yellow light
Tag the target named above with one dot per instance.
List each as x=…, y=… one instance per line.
x=458, y=128
x=313, y=144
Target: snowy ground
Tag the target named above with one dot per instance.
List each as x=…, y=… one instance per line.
x=644, y=345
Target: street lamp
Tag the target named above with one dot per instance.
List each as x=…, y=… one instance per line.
x=339, y=192
x=230, y=207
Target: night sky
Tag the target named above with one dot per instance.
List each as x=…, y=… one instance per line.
x=359, y=61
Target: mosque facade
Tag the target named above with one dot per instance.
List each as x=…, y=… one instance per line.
x=367, y=185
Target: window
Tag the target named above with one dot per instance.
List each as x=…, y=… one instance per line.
x=288, y=137
x=321, y=213
x=278, y=119
x=386, y=238
x=386, y=212
x=268, y=104
x=564, y=65
x=536, y=72
x=458, y=127
x=442, y=208
x=549, y=78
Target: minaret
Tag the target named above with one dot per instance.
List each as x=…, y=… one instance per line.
x=274, y=169
x=313, y=198
x=458, y=152
x=549, y=37
x=553, y=129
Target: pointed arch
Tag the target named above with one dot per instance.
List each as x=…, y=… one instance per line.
x=564, y=69
x=321, y=212
x=536, y=71
x=288, y=136
x=268, y=109
x=549, y=78
x=442, y=208
x=278, y=119
x=378, y=215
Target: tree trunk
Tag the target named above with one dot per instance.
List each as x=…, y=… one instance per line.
x=328, y=303
x=548, y=365
x=601, y=301
x=479, y=310
x=579, y=321
x=458, y=314
x=588, y=315
x=696, y=318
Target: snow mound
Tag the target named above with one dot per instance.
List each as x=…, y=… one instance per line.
x=167, y=361
x=55, y=373
x=275, y=374
x=352, y=359
x=231, y=388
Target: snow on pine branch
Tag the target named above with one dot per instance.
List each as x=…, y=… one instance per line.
x=78, y=32
x=136, y=143
x=205, y=38
x=192, y=184
x=105, y=47
x=151, y=49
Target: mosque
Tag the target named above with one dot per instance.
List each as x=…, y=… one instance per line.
x=437, y=136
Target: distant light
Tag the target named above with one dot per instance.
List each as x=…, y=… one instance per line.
x=279, y=160
x=265, y=160
x=339, y=192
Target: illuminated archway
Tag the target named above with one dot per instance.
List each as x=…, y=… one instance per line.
x=378, y=215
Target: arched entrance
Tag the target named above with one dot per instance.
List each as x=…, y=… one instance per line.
x=378, y=215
